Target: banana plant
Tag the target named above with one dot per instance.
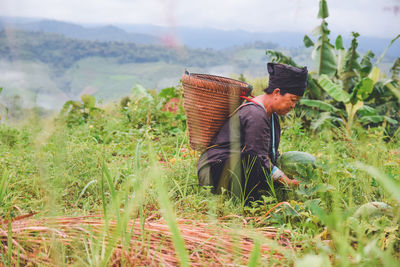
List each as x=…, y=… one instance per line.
x=353, y=103
x=324, y=52
x=78, y=112
x=346, y=86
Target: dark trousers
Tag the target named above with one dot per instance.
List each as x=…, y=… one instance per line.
x=245, y=179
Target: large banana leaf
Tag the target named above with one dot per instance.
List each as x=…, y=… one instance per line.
x=324, y=52
x=341, y=54
x=376, y=119
x=319, y=104
x=333, y=89
x=324, y=57
x=323, y=12
x=362, y=90
x=313, y=89
x=367, y=111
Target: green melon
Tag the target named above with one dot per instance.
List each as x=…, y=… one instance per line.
x=295, y=163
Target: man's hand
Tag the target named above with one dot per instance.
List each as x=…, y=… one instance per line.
x=290, y=182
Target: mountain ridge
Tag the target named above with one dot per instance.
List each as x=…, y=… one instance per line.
x=186, y=36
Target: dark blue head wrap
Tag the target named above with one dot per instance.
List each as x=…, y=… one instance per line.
x=287, y=78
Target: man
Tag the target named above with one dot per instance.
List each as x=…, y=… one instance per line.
x=242, y=156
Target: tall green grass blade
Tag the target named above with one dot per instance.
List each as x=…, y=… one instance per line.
x=9, y=242
x=84, y=189
x=103, y=197
x=169, y=215
x=137, y=155
x=3, y=186
x=389, y=184
x=255, y=254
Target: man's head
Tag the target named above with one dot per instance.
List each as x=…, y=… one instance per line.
x=287, y=78
x=286, y=86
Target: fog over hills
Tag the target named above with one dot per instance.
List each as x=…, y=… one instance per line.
x=188, y=36
x=50, y=62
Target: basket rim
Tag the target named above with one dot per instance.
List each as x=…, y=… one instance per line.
x=203, y=77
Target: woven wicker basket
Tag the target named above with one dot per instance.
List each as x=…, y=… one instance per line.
x=208, y=101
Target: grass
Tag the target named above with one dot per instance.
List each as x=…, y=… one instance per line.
x=135, y=172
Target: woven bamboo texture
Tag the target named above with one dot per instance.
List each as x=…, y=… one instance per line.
x=208, y=101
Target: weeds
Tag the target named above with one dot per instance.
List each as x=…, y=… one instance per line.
x=142, y=181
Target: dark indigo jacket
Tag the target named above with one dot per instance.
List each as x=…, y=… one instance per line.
x=248, y=131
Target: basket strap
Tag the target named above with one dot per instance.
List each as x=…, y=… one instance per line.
x=250, y=101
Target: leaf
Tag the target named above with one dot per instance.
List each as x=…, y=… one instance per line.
x=1, y=89
x=395, y=70
x=395, y=90
x=255, y=254
x=88, y=100
x=363, y=89
x=324, y=56
x=388, y=183
x=351, y=66
x=325, y=116
x=313, y=89
x=387, y=48
x=339, y=43
x=377, y=119
x=367, y=111
x=276, y=56
x=366, y=65
x=318, y=104
x=374, y=74
x=323, y=9
x=168, y=93
x=3, y=186
x=307, y=41
x=333, y=89
x=373, y=209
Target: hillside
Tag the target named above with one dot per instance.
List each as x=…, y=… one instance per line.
x=61, y=68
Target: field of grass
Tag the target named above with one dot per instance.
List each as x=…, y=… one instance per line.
x=130, y=170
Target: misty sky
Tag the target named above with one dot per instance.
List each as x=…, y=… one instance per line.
x=368, y=17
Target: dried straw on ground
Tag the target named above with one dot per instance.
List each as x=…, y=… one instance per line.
x=35, y=241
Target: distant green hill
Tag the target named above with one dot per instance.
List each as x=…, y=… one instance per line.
x=61, y=52
x=52, y=68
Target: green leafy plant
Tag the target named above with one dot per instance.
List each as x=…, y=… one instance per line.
x=346, y=87
x=79, y=112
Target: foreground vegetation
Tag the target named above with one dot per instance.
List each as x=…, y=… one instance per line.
x=116, y=184
x=131, y=160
